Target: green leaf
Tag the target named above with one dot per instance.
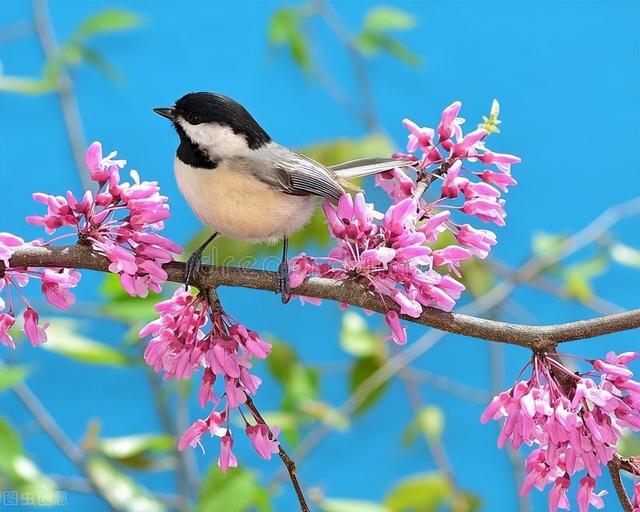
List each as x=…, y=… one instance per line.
x=112, y=20
x=98, y=61
x=546, y=245
x=356, y=339
x=360, y=371
x=343, y=505
x=383, y=19
x=429, y=421
x=136, y=450
x=121, y=491
x=303, y=384
x=577, y=276
x=325, y=413
x=477, y=276
x=64, y=339
x=285, y=29
x=281, y=360
x=629, y=445
x=235, y=491
x=20, y=472
x=11, y=376
x=23, y=85
x=625, y=255
x=421, y=493
x=121, y=305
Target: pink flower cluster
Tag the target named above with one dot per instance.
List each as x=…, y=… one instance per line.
x=395, y=253
x=573, y=419
x=190, y=335
x=55, y=285
x=119, y=221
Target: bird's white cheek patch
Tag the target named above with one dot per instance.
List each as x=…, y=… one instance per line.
x=219, y=141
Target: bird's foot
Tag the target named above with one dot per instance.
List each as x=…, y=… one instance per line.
x=192, y=267
x=283, y=281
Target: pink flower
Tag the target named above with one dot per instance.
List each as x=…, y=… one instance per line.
x=192, y=435
x=449, y=123
x=36, y=334
x=586, y=496
x=499, y=179
x=398, y=333
x=260, y=437
x=419, y=138
x=227, y=459
x=120, y=222
x=6, y=323
x=478, y=241
x=8, y=243
x=574, y=420
x=55, y=286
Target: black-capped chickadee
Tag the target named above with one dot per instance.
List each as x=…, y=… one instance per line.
x=243, y=184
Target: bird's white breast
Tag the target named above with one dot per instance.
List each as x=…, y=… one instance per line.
x=239, y=206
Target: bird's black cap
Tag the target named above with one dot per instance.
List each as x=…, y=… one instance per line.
x=207, y=107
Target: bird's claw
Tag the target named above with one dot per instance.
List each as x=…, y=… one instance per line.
x=283, y=282
x=192, y=267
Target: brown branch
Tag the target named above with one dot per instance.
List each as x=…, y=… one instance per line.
x=288, y=461
x=529, y=336
x=615, y=466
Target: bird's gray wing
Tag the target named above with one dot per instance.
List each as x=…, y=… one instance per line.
x=368, y=166
x=296, y=174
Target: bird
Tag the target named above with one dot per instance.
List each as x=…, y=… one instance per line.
x=246, y=186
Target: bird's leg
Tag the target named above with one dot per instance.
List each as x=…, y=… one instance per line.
x=194, y=263
x=283, y=274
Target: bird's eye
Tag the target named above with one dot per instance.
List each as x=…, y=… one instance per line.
x=193, y=119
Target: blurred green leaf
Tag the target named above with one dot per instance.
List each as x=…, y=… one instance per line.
x=303, y=384
x=429, y=421
x=112, y=20
x=547, y=244
x=625, y=255
x=281, y=360
x=421, y=493
x=345, y=505
x=64, y=339
x=235, y=491
x=21, y=473
x=375, y=36
x=133, y=310
x=12, y=375
x=577, y=276
x=325, y=413
x=285, y=29
x=356, y=338
x=629, y=444
x=98, y=61
x=136, y=450
x=360, y=371
x=477, y=276
x=122, y=492
x=25, y=85
x=383, y=18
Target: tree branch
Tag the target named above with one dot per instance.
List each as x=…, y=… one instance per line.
x=288, y=461
x=615, y=466
x=350, y=292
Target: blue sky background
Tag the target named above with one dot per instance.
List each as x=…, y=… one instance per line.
x=567, y=75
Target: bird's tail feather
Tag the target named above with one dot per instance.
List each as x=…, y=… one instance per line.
x=368, y=166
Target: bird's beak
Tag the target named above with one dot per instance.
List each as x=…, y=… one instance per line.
x=165, y=112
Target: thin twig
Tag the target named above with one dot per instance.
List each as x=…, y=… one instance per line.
x=64, y=87
x=447, y=385
x=615, y=466
x=288, y=461
x=350, y=292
